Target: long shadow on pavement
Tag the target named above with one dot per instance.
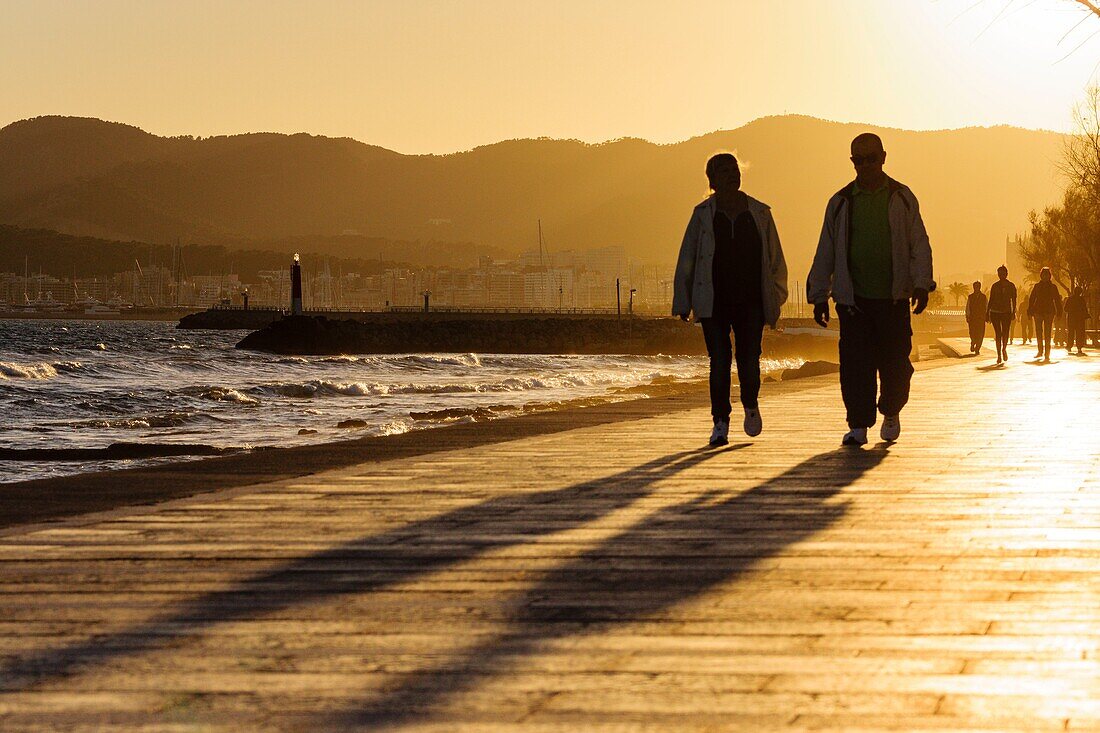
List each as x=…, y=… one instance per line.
x=678, y=553
x=366, y=564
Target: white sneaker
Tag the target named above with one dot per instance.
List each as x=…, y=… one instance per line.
x=753, y=423
x=720, y=434
x=855, y=436
x=891, y=428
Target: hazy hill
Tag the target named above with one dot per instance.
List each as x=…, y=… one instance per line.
x=88, y=177
x=63, y=255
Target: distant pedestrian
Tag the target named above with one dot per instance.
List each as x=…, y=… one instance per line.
x=732, y=275
x=1002, y=311
x=1025, y=322
x=977, y=308
x=1077, y=316
x=1059, y=336
x=1044, y=305
x=874, y=260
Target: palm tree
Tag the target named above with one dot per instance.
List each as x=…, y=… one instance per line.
x=958, y=291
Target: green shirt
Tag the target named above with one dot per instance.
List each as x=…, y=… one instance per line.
x=870, y=252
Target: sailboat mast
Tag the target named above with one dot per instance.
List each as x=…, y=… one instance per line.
x=542, y=262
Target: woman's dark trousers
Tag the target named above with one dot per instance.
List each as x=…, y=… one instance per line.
x=1044, y=325
x=1001, y=323
x=747, y=325
x=875, y=342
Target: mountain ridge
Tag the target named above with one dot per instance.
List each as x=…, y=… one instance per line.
x=90, y=177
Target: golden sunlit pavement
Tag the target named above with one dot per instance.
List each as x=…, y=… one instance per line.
x=610, y=578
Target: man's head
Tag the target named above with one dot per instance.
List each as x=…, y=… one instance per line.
x=868, y=157
x=1002, y=272
x=1044, y=274
x=723, y=173
x=977, y=286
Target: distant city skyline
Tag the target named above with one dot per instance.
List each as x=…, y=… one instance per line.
x=436, y=77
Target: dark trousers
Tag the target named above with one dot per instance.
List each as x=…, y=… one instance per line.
x=1002, y=322
x=747, y=324
x=875, y=341
x=977, y=334
x=1076, y=333
x=1043, y=327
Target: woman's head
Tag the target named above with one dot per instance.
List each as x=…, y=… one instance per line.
x=723, y=173
x=1078, y=290
x=1044, y=274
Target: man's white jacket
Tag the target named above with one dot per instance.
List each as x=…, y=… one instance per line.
x=830, y=274
x=694, y=284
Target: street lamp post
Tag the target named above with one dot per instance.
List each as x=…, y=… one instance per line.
x=630, y=304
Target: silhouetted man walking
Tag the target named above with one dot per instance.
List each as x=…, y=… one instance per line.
x=976, y=308
x=1045, y=304
x=873, y=258
x=1025, y=323
x=1077, y=316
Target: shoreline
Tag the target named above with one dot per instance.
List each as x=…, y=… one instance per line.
x=51, y=500
x=166, y=315
x=54, y=499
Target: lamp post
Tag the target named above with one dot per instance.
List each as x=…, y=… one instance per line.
x=630, y=303
x=427, y=296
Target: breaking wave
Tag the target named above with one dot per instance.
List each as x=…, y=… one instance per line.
x=37, y=370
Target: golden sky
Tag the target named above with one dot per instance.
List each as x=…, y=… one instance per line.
x=436, y=76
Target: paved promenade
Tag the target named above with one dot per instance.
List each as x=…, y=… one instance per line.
x=608, y=578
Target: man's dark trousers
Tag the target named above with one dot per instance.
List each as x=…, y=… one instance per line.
x=1075, y=328
x=1044, y=325
x=747, y=324
x=875, y=341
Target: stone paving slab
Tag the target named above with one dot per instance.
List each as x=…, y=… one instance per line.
x=614, y=577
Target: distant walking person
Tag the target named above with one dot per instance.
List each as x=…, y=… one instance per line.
x=874, y=260
x=1002, y=311
x=1044, y=305
x=732, y=275
x=977, y=308
x=1025, y=322
x=1077, y=316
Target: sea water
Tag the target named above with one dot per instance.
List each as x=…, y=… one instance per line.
x=88, y=384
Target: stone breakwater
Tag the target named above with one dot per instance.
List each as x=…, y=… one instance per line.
x=317, y=335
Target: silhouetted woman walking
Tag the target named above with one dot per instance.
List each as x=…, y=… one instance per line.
x=1044, y=305
x=732, y=275
x=1002, y=311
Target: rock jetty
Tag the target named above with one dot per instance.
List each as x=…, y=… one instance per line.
x=317, y=335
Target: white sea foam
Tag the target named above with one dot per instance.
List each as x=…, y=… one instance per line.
x=221, y=394
x=35, y=370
